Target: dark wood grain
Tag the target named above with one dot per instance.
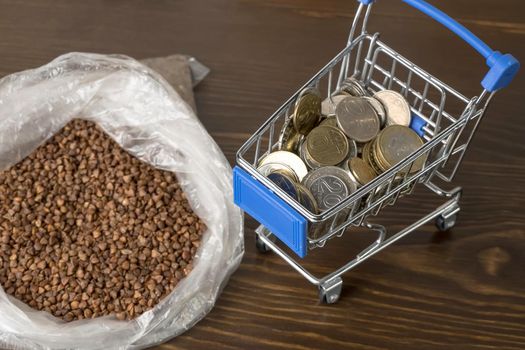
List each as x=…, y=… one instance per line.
x=463, y=289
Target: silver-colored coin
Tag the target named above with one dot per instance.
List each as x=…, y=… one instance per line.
x=330, y=103
x=357, y=118
x=329, y=185
x=288, y=158
x=396, y=107
x=286, y=130
x=379, y=108
x=354, y=87
x=269, y=168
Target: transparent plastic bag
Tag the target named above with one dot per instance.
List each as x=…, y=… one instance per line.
x=138, y=109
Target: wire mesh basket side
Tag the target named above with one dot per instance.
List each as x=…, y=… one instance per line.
x=444, y=110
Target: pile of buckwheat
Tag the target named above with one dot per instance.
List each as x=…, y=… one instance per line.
x=88, y=230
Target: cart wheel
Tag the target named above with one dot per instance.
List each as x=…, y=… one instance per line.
x=260, y=245
x=446, y=223
x=330, y=291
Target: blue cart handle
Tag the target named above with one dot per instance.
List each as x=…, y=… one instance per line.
x=503, y=67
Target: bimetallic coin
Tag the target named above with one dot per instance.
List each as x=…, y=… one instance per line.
x=307, y=111
x=327, y=145
x=396, y=107
x=360, y=171
x=356, y=117
x=329, y=104
x=288, y=158
x=394, y=144
x=354, y=87
x=285, y=183
x=289, y=138
x=379, y=108
x=329, y=185
x=306, y=198
x=269, y=168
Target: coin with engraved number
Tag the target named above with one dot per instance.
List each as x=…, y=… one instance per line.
x=268, y=168
x=329, y=185
x=396, y=107
x=288, y=158
x=357, y=118
x=285, y=183
x=307, y=111
x=327, y=145
x=329, y=104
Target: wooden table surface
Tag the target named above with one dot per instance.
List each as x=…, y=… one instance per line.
x=464, y=289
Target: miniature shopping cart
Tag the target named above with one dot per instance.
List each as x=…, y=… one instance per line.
x=444, y=118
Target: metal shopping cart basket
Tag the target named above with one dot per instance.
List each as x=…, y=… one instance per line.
x=444, y=118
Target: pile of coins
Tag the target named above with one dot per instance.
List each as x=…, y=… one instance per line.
x=328, y=149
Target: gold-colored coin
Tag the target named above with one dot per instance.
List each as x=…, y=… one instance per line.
x=372, y=158
x=330, y=121
x=327, y=145
x=360, y=171
x=306, y=198
x=366, y=154
x=292, y=141
x=307, y=111
x=303, y=154
x=292, y=144
x=394, y=144
x=289, y=138
x=365, y=151
x=378, y=160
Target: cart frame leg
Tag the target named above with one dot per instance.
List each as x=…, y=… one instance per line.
x=330, y=286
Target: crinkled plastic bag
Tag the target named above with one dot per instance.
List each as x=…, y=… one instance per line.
x=138, y=109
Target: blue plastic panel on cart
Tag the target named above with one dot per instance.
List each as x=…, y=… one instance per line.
x=271, y=211
x=417, y=124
